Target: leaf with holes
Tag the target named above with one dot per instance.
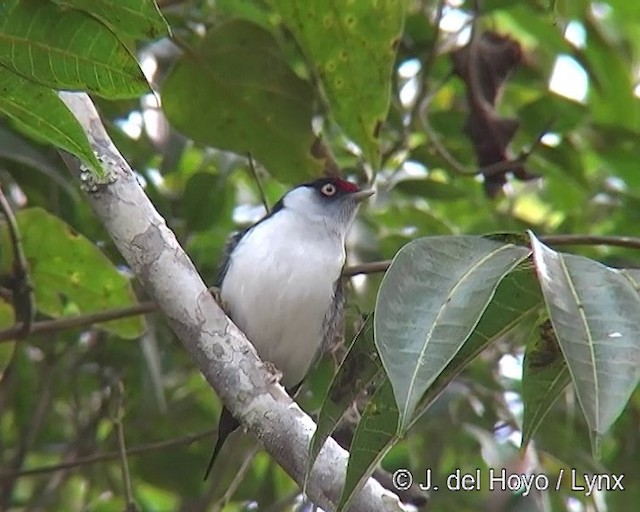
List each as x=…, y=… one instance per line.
x=354, y=67
x=139, y=19
x=594, y=312
x=429, y=302
x=70, y=274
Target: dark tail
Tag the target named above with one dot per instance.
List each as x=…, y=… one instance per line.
x=226, y=425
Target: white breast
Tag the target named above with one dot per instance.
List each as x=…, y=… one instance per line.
x=279, y=286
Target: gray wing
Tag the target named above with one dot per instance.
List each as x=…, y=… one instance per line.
x=232, y=243
x=334, y=320
x=235, y=239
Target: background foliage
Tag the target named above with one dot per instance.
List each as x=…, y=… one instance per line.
x=387, y=85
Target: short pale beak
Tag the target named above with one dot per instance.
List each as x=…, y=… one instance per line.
x=361, y=195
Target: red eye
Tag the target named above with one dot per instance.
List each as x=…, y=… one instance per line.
x=329, y=189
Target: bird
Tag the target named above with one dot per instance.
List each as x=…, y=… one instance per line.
x=280, y=280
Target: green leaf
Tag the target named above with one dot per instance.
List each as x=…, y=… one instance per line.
x=545, y=375
x=594, y=311
x=353, y=65
x=633, y=276
x=611, y=99
x=204, y=200
x=69, y=273
x=39, y=112
x=360, y=367
x=429, y=302
x=431, y=189
x=516, y=299
x=236, y=92
x=371, y=441
x=552, y=112
x=17, y=148
x=139, y=19
x=67, y=49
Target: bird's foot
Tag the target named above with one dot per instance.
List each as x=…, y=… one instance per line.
x=215, y=292
x=276, y=375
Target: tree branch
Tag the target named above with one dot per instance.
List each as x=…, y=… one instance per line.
x=220, y=350
x=19, y=281
x=48, y=326
x=104, y=457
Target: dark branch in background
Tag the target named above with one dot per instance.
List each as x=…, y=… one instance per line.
x=373, y=267
x=426, y=65
x=19, y=281
x=518, y=162
x=320, y=151
x=122, y=448
x=105, y=457
x=239, y=477
x=484, y=65
x=84, y=434
x=627, y=242
x=28, y=435
x=48, y=326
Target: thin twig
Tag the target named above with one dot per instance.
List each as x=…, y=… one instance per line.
x=628, y=242
x=23, y=298
x=615, y=241
x=104, y=457
x=49, y=326
x=504, y=166
x=238, y=478
x=372, y=267
x=426, y=65
x=85, y=432
x=29, y=434
x=122, y=449
x=254, y=173
x=434, y=139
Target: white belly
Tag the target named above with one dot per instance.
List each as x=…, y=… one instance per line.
x=278, y=292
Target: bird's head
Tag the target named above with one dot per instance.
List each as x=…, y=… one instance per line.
x=331, y=201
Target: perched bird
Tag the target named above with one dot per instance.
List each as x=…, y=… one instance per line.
x=280, y=280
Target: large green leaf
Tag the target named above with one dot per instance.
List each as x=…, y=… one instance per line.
x=40, y=113
x=517, y=298
x=237, y=92
x=594, y=312
x=430, y=189
x=352, y=47
x=429, y=302
x=139, y=19
x=69, y=273
x=67, y=49
x=204, y=200
x=16, y=148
